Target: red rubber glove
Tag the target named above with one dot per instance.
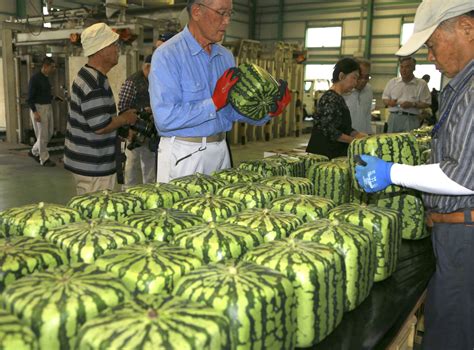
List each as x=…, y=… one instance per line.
x=223, y=86
x=282, y=99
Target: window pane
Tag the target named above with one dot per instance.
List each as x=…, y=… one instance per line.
x=319, y=71
x=323, y=37
x=430, y=69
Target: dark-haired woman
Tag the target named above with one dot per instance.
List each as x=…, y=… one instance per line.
x=332, y=131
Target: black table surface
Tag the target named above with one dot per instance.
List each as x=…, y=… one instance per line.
x=374, y=323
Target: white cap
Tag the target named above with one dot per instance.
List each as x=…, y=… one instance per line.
x=96, y=37
x=428, y=17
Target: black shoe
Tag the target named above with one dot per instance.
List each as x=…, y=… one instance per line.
x=30, y=154
x=49, y=163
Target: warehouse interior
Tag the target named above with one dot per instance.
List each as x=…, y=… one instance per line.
x=295, y=40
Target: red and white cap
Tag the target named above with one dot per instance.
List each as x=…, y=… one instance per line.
x=429, y=16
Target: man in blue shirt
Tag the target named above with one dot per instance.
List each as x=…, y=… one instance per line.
x=190, y=80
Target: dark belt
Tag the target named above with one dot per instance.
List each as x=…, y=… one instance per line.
x=458, y=217
x=214, y=138
x=406, y=113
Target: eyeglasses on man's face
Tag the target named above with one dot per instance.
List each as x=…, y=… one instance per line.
x=221, y=13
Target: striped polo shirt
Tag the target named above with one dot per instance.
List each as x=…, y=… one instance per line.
x=453, y=145
x=91, y=108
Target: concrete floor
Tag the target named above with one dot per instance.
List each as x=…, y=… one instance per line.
x=23, y=181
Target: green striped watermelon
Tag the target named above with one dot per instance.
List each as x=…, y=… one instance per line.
x=331, y=180
x=384, y=224
x=107, y=204
x=317, y=274
x=86, y=241
x=234, y=175
x=424, y=143
x=270, y=224
x=357, y=247
x=289, y=185
x=56, y=302
x=216, y=242
x=161, y=224
x=295, y=165
x=198, y=183
x=158, y=195
x=21, y=256
x=210, y=207
x=149, y=267
x=252, y=195
x=411, y=211
x=34, y=220
x=399, y=148
x=340, y=159
x=306, y=207
x=258, y=301
x=255, y=92
x=265, y=167
x=156, y=323
x=309, y=159
x=423, y=131
x=14, y=335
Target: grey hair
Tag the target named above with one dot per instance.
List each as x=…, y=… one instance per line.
x=191, y=3
x=363, y=62
x=449, y=24
x=407, y=58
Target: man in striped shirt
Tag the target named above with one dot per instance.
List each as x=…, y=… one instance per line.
x=91, y=134
x=447, y=29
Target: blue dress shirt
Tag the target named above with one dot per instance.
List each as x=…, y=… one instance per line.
x=182, y=79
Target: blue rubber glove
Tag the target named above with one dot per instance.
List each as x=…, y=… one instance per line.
x=375, y=176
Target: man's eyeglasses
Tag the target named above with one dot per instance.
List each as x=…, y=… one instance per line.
x=221, y=13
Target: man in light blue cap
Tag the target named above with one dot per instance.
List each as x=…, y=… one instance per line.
x=446, y=27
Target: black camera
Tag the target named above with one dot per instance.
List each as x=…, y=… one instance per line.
x=144, y=132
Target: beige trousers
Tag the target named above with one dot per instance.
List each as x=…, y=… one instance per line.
x=88, y=184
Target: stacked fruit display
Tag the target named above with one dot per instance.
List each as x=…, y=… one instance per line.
x=266, y=256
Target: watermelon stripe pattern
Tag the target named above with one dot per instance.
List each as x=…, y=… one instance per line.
x=295, y=165
x=235, y=175
x=357, y=247
x=252, y=195
x=198, y=184
x=289, y=185
x=306, y=207
x=331, y=180
x=309, y=159
x=210, y=207
x=158, y=195
x=21, y=256
x=14, y=335
x=399, y=148
x=150, y=267
x=265, y=168
x=384, y=224
x=213, y=243
x=258, y=301
x=317, y=273
x=270, y=224
x=254, y=94
x=86, y=241
x=161, y=224
x=56, y=302
x=34, y=220
x=158, y=323
x=411, y=211
x=106, y=205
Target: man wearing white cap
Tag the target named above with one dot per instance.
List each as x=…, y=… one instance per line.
x=91, y=133
x=447, y=29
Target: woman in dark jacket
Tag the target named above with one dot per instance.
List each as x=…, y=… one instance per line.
x=332, y=131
